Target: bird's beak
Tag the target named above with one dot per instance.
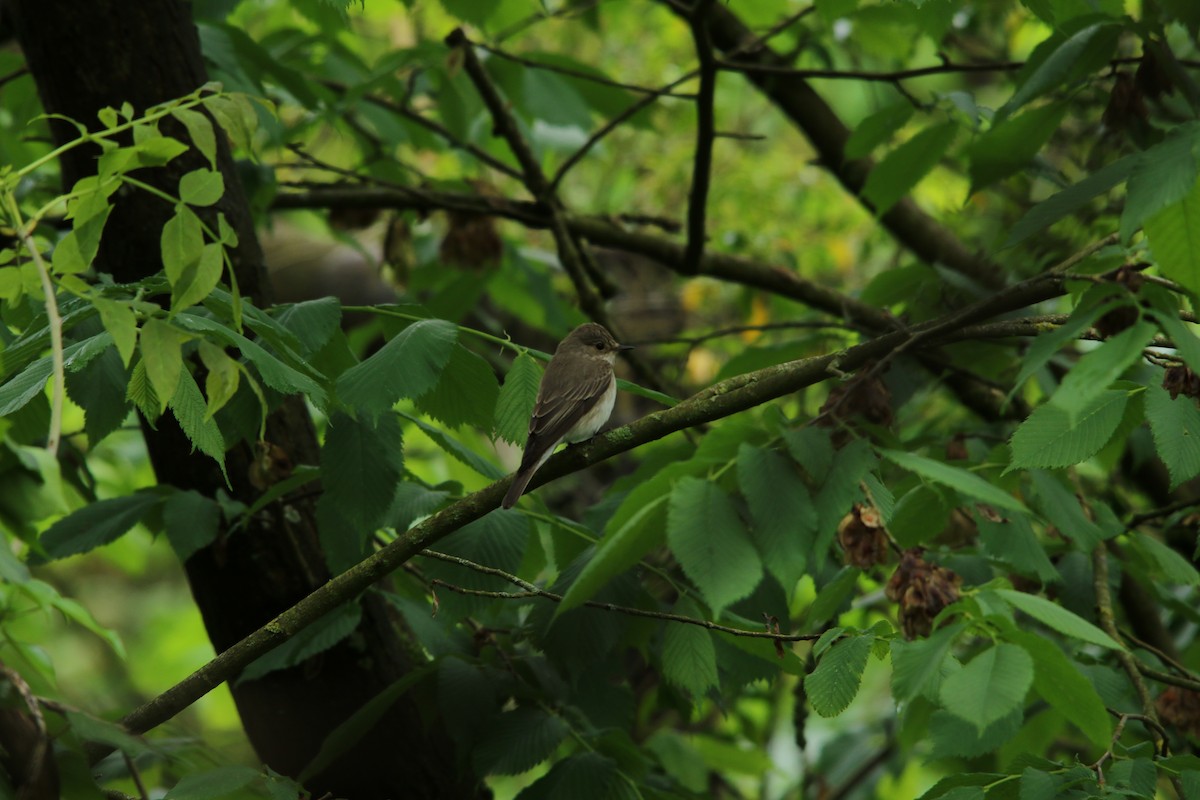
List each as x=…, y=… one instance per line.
x=621, y=348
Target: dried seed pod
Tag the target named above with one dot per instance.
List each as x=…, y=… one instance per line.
x=865, y=396
x=471, y=241
x=1180, y=708
x=1180, y=380
x=863, y=538
x=921, y=590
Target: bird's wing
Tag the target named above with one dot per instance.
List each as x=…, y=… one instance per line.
x=562, y=401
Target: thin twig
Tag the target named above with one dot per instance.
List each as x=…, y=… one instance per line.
x=1164, y=511
x=1168, y=678
x=581, y=74
x=531, y=590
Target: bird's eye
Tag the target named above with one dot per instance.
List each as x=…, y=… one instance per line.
x=599, y=345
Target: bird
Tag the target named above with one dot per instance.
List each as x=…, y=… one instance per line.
x=574, y=399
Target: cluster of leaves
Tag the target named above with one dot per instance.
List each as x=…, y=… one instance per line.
x=576, y=683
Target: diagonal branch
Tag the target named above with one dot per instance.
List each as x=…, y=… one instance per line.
x=910, y=226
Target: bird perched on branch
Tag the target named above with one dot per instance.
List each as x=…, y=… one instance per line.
x=574, y=400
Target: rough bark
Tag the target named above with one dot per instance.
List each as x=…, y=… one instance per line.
x=88, y=54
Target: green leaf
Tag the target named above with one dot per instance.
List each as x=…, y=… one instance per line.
x=1061, y=508
x=92, y=729
x=1014, y=542
x=709, y=539
x=362, y=721
x=1061, y=684
x=1046, y=345
x=1093, y=373
x=1072, y=59
x=275, y=373
x=361, y=462
x=834, y=684
x=190, y=410
x=1055, y=616
x=181, y=242
x=689, y=657
x=407, y=366
x=162, y=354
x=990, y=686
x=141, y=393
x=222, y=377
x=1174, y=235
x=96, y=524
x=201, y=187
x=1175, y=427
x=1069, y=200
x=514, y=406
x=191, y=521
x=24, y=386
x=877, y=129
x=456, y=449
x=919, y=666
x=313, y=322
x=1163, y=175
x=1011, y=144
x=200, y=131
x=465, y=393
x=76, y=251
x=956, y=478
x=1037, y=785
x=316, y=638
x=517, y=741
x=213, y=784
x=901, y=169
x=1173, y=567
x=121, y=323
x=582, y=776
x=620, y=549
x=785, y=519
x=99, y=389
x=198, y=278
x=1054, y=437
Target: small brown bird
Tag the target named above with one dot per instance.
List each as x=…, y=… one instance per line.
x=574, y=400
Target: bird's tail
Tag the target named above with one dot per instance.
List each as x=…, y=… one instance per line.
x=518, y=487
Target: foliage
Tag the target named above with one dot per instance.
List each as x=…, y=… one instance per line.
x=965, y=542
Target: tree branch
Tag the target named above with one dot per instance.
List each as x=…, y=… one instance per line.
x=532, y=590
x=705, y=135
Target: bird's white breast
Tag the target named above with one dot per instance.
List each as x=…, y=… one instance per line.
x=594, y=420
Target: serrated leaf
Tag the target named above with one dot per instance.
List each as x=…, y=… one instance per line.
x=1072, y=58
x=514, y=406
x=456, y=449
x=689, y=657
x=1054, y=437
x=498, y=539
x=313, y=322
x=1060, y=683
x=582, y=776
x=465, y=392
x=1093, y=373
x=1069, y=200
x=1175, y=427
x=1045, y=346
x=213, y=784
x=1162, y=175
x=92, y=729
x=901, y=169
x=201, y=187
x=1038, y=785
x=141, y=393
x=990, y=686
x=222, y=377
x=96, y=524
x=1174, y=235
x=24, y=386
x=191, y=521
x=956, y=478
x=202, y=431
x=361, y=462
x=517, y=741
x=785, y=519
x=1011, y=144
x=407, y=366
x=316, y=638
x=1055, y=616
x=99, y=389
x=835, y=682
x=1061, y=508
x=275, y=373
x=162, y=354
x=1174, y=567
x=709, y=539
x=919, y=666
x=620, y=549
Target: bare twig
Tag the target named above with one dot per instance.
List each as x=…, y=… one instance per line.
x=581, y=74
x=531, y=590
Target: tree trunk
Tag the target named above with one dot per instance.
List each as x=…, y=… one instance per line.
x=88, y=54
